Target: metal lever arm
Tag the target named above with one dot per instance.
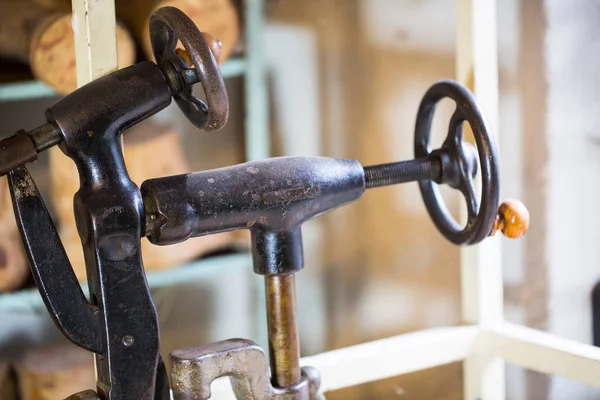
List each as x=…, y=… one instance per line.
x=51, y=269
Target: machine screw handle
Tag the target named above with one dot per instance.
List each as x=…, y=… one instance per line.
x=215, y=48
x=456, y=155
x=455, y=164
x=197, y=64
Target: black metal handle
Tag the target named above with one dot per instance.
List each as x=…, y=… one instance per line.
x=168, y=25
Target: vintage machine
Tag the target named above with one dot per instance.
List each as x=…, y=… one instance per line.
x=272, y=198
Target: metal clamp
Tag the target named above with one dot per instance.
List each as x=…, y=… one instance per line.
x=194, y=369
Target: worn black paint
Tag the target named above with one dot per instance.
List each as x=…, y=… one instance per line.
x=271, y=198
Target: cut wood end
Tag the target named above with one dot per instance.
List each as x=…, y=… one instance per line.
x=52, y=52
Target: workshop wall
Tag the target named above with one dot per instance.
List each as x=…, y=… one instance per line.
x=572, y=123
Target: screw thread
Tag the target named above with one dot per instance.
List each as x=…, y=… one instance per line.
x=401, y=172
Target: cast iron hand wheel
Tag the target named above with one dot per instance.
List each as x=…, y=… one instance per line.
x=168, y=26
x=459, y=164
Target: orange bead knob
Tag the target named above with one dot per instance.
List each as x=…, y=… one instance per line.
x=215, y=45
x=215, y=49
x=512, y=219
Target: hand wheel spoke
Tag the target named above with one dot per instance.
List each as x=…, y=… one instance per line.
x=197, y=103
x=188, y=96
x=164, y=48
x=170, y=44
x=195, y=109
x=177, y=60
x=468, y=190
x=455, y=128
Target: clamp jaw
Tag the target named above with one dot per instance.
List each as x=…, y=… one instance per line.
x=195, y=369
x=120, y=323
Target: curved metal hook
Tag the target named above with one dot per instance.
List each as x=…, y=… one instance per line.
x=50, y=266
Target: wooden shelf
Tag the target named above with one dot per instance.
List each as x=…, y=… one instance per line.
x=30, y=302
x=25, y=90
x=28, y=90
x=25, y=320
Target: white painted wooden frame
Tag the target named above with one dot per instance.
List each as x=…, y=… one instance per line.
x=95, y=34
x=487, y=340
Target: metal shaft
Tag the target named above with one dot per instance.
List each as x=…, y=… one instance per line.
x=284, y=349
x=45, y=136
x=23, y=147
x=420, y=169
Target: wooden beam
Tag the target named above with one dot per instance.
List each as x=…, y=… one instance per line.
x=393, y=356
x=476, y=67
x=94, y=28
x=542, y=352
x=481, y=265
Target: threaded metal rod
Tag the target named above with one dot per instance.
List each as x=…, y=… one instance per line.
x=419, y=169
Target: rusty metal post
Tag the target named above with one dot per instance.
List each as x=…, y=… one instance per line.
x=284, y=348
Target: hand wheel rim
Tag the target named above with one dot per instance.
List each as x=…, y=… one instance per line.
x=173, y=23
x=466, y=105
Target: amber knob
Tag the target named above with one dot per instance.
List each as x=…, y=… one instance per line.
x=214, y=45
x=512, y=219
